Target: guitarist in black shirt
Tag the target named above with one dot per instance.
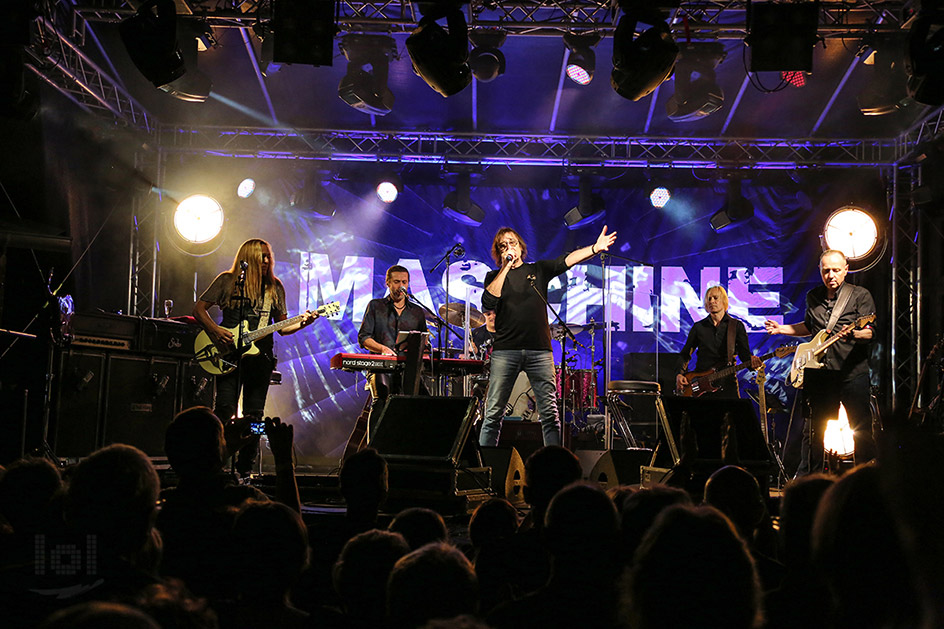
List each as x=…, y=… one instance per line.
x=832, y=306
x=248, y=291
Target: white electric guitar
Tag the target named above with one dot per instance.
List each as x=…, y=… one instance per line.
x=808, y=354
x=217, y=361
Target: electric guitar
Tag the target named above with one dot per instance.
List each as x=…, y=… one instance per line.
x=701, y=382
x=808, y=354
x=218, y=361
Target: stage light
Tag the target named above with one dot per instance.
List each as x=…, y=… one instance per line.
x=487, y=61
x=925, y=60
x=781, y=36
x=441, y=57
x=581, y=61
x=459, y=206
x=198, y=218
x=364, y=87
x=659, y=197
x=853, y=231
x=640, y=65
x=245, y=188
x=697, y=93
x=885, y=91
x=314, y=199
x=735, y=209
x=150, y=36
x=839, y=436
x=589, y=208
x=389, y=188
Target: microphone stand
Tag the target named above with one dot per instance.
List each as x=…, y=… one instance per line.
x=563, y=341
x=239, y=289
x=608, y=341
x=458, y=250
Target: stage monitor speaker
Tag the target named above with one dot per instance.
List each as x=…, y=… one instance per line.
x=79, y=398
x=430, y=429
x=507, y=472
x=620, y=467
x=707, y=415
x=141, y=401
x=526, y=437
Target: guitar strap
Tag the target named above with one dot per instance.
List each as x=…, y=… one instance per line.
x=731, y=326
x=266, y=310
x=845, y=292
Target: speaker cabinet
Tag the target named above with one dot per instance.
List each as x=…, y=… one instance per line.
x=423, y=428
x=78, y=402
x=141, y=402
x=197, y=388
x=620, y=467
x=507, y=472
x=707, y=417
x=526, y=437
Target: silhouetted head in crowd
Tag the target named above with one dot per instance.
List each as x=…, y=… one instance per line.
x=419, y=527
x=459, y=622
x=173, y=607
x=641, y=509
x=435, y=581
x=363, y=481
x=194, y=443
x=27, y=491
x=113, y=495
x=492, y=520
x=362, y=571
x=857, y=551
x=270, y=550
x=619, y=493
x=801, y=497
x=100, y=615
x=581, y=530
x=692, y=570
x=546, y=472
x=734, y=491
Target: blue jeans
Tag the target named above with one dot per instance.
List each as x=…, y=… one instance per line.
x=506, y=364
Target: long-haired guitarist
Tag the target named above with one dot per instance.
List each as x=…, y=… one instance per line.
x=248, y=291
x=847, y=359
x=719, y=338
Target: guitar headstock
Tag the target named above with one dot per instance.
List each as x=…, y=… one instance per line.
x=784, y=350
x=329, y=309
x=861, y=322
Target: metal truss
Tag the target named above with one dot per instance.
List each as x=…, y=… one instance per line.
x=906, y=302
x=143, y=257
x=715, y=19
x=527, y=150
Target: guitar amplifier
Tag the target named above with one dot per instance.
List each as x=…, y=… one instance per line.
x=104, y=330
x=166, y=337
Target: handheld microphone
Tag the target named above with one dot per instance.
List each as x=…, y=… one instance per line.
x=509, y=257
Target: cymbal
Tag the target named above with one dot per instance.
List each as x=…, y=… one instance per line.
x=557, y=330
x=456, y=315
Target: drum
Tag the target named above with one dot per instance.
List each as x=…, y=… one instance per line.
x=580, y=388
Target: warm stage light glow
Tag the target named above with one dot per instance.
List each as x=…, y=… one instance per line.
x=246, y=187
x=659, y=197
x=852, y=231
x=387, y=191
x=198, y=219
x=839, y=435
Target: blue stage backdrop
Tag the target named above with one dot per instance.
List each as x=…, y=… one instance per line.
x=766, y=264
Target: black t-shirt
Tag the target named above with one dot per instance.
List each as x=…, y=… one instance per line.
x=848, y=356
x=712, y=344
x=252, y=311
x=483, y=340
x=520, y=314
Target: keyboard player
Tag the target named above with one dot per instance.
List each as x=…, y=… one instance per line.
x=384, y=318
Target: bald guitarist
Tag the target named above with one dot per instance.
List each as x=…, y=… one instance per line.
x=837, y=305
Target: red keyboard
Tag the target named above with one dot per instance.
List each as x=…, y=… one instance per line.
x=377, y=362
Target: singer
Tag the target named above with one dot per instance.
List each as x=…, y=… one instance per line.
x=517, y=292
x=383, y=318
x=248, y=291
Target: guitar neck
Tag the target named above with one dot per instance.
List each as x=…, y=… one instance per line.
x=833, y=339
x=253, y=335
x=727, y=371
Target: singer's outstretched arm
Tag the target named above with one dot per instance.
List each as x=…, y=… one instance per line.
x=603, y=243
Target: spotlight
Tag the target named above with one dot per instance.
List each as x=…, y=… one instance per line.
x=363, y=89
x=659, y=197
x=487, y=61
x=198, y=225
x=581, y=61
x=389, y=188
x=885, y=92
x=589, y=208
x=734, y=210
x=696, y=98
x=459, y=206
x=245, y=188
x=853, y=231
x=441, y=57
x=925, y=61
x=781, y=36
x=640, y=65
x=314, y=199
x=150, y=36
